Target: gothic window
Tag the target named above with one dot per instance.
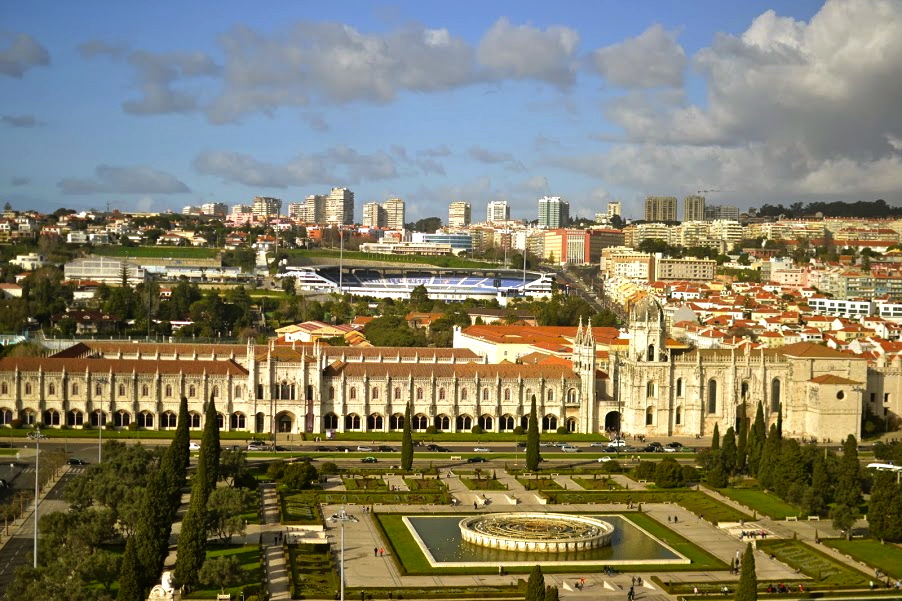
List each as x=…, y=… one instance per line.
x=744, y=391
x=194, y=420
x=331, y=393
x=352, y=394
x=397, y=392
x=507, y=394
x=168, y=420
x=352, y=421
x=396, y=422
x=28, y=389
x=651, y=352
x=775, y=396
x=98, y=389
x=678, y=417
x=144, y=390
x=463, y=394
x=572, y=396
x=215, y=391
x=75, y=390
x=650, y=389
x=441, y=394
x=122, y=390
x=238, y=391
x=550, y=396
x=168, y=390
x=679, y=387
x=330, y=421
x=375, y=393
x=51, y=389
x=528, y=396
x=4, y=389
x=420, y=422
x=650, y=416
x=237, y=421
x=419, y=394
x=485, y=394
x=712, y=396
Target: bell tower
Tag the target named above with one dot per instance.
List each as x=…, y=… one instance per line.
x=647, y=332
x=585, y=365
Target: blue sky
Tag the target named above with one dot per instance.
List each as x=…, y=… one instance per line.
x=153, y=106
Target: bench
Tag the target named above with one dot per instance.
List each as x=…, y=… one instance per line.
x=792, y=518
x=456, y=458
x=814, y=518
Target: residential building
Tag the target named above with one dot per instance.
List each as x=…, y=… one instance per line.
x=459, y=214
x=104, y=269
x=297, y=210
x=373, y=215
x=614, y=208
x=554, y=212
x=238, y=209
x=340, y=207
x=29, y=262
x=660, y=208
x=266, y=206
x=684, y=270
x=394, y=213
x=694, y=208
x=725, y=212
x=498, y=210
x=315, y=209
x=217, y=209
x=459, y=243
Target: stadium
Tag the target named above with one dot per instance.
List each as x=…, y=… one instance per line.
x=441, y=283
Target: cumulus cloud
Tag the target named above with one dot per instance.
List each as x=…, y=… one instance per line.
x=20, y=121
x=484, y=155
x=138, y=179
x=158, y=76
x=337, y=164
x=526, y=52
x=649, y=60
x=19, y=53
x=793, y=109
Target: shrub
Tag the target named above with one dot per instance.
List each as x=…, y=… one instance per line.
x=645, y=471
x=133, y=426
x=276, y=470
x=519, y=430
x=690, y=474
x=87, y=426
x=431, y=430
x=563, y=430
x=15, y=423
x=328, y=467
x=476, y=430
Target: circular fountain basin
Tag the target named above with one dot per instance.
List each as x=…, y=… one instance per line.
x=536, y=532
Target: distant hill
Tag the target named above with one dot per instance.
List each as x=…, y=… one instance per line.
x=862, y=208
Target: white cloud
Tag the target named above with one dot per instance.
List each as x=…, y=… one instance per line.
x=526, y=52
x=652, y=59
x=138, y=179
x=21, y=53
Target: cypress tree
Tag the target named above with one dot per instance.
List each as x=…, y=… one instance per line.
x=717, y=475
x=152, y=529
x=209, y=447
x=535, y=586
x=715, y=439
x=193, y=537
x=551, y=593
x=819, y=492
x=728, y=452
x=407, y=443
x=742, y=440
x=748, y=581
x=848, y=480
x=757, y=436
x=130, y=581
x=788, y=469
x=178, y=456
x=532, y=440
x=780, y=421
x=769, y=456
x=885, y=508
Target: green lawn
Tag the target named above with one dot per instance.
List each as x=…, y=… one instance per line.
x=162, y=252
x=430, y=484
x=539, y=484
x=764, y=503
x=311, y=571
x=822, y=568
x=367, y=484
x=887, y=557
x=602, y=483
x=483, y=484
x=299, y=508
x=694, y=501
x=251, y=570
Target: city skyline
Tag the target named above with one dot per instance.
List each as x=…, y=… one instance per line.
x=150, y=109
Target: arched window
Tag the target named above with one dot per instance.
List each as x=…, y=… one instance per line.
x=238, y=421
x=375, y=393
x=775, y=396
x=75, y=390
x=571, y=424
x=507, y=394
x=51, y=390
x=396, y=422
x=215, y=392
x=549, y=423
x=331, y=393
x=51, y=417
x=649, y=389
x=98, y=389
x=76, y=418
x=220, y=421
x=485, y=394
x=397, y=392
x=651, y=352
x=420, y=422
x=712, y=396
x=194, y=420
x=352, y=393
x=650, y=416
x=330, y=421
x=191, y=391
x=168, y=420
x=441, y=394
x=352, y=421
x=506, y=423
x=485, y=422
x=28, y=389
x=463, y=394
x=678, y=417
x=238, y=391
x=419, y=394
x=168, y=390
x=145, y=419
x=4, y=389
x=6, y=416
x=442, y=422
x=122, y=418
x=122, y=390
x=744, y=391
x=679, y=387
x=528, y=396
x=374, y=421
x=550, y=396
x=463, y=423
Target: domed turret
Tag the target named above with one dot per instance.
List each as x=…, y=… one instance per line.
x=647, y=331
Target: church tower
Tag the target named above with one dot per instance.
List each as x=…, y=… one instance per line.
x=647, y=332
x=585, y=366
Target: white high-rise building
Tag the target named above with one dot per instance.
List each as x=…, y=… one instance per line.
x=394, y=213
x=373, y=215
x=694, y=208
x=614, y=208
x=554, y=212
x=340, y=206
x=498, y=210
x=266, y=206
x=459, y=214
x=315, y=209
x=242, y=208
x=296, y=210
x=219, y=209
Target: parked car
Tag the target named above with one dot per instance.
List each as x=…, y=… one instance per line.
x=651, y=449
x=76, y=461
x=253, y=447
x=617, y=442
x=369, y=460
x=6, y=445
x=482, y=450
x=432, y=447
x=193, y=446
x=364, y=449
x=521, y=445
x=36, y=435
x=675, y=445
x=569, y=448
x=600, y=444
x=477, y=459
x=279, y=447
x=604, y=459
x=386, y=449
x=323, y=449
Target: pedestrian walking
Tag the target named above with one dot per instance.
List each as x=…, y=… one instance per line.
x=381, y=552
x=375, y=551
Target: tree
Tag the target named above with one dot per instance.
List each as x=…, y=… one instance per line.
x=769, y=456
x=788, y=469
x=532, y=438
x=815, y=499
x=222, y=571
x=668, y=474
x=103, y=567
x=748, y=581
x=210, y=449
x=130, y=588
x=848, y=479
x=885, y=508
x=232, y=464
x=780, y=421
x=535, y=586
x=728, y=452
x=407, y=442
x=844, y=518
x=717, y=475
x=715, y=438
x=742, y=440
x=419, y=298
x=757, y=436
x=224, y=510
x=551, y=593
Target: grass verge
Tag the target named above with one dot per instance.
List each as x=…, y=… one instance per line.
x=887, y=556
x=311, y=572
x=764, y=503
x=693, y=501
x=813, y=563
x=251, y=575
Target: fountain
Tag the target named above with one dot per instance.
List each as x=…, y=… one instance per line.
x=536, y=532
